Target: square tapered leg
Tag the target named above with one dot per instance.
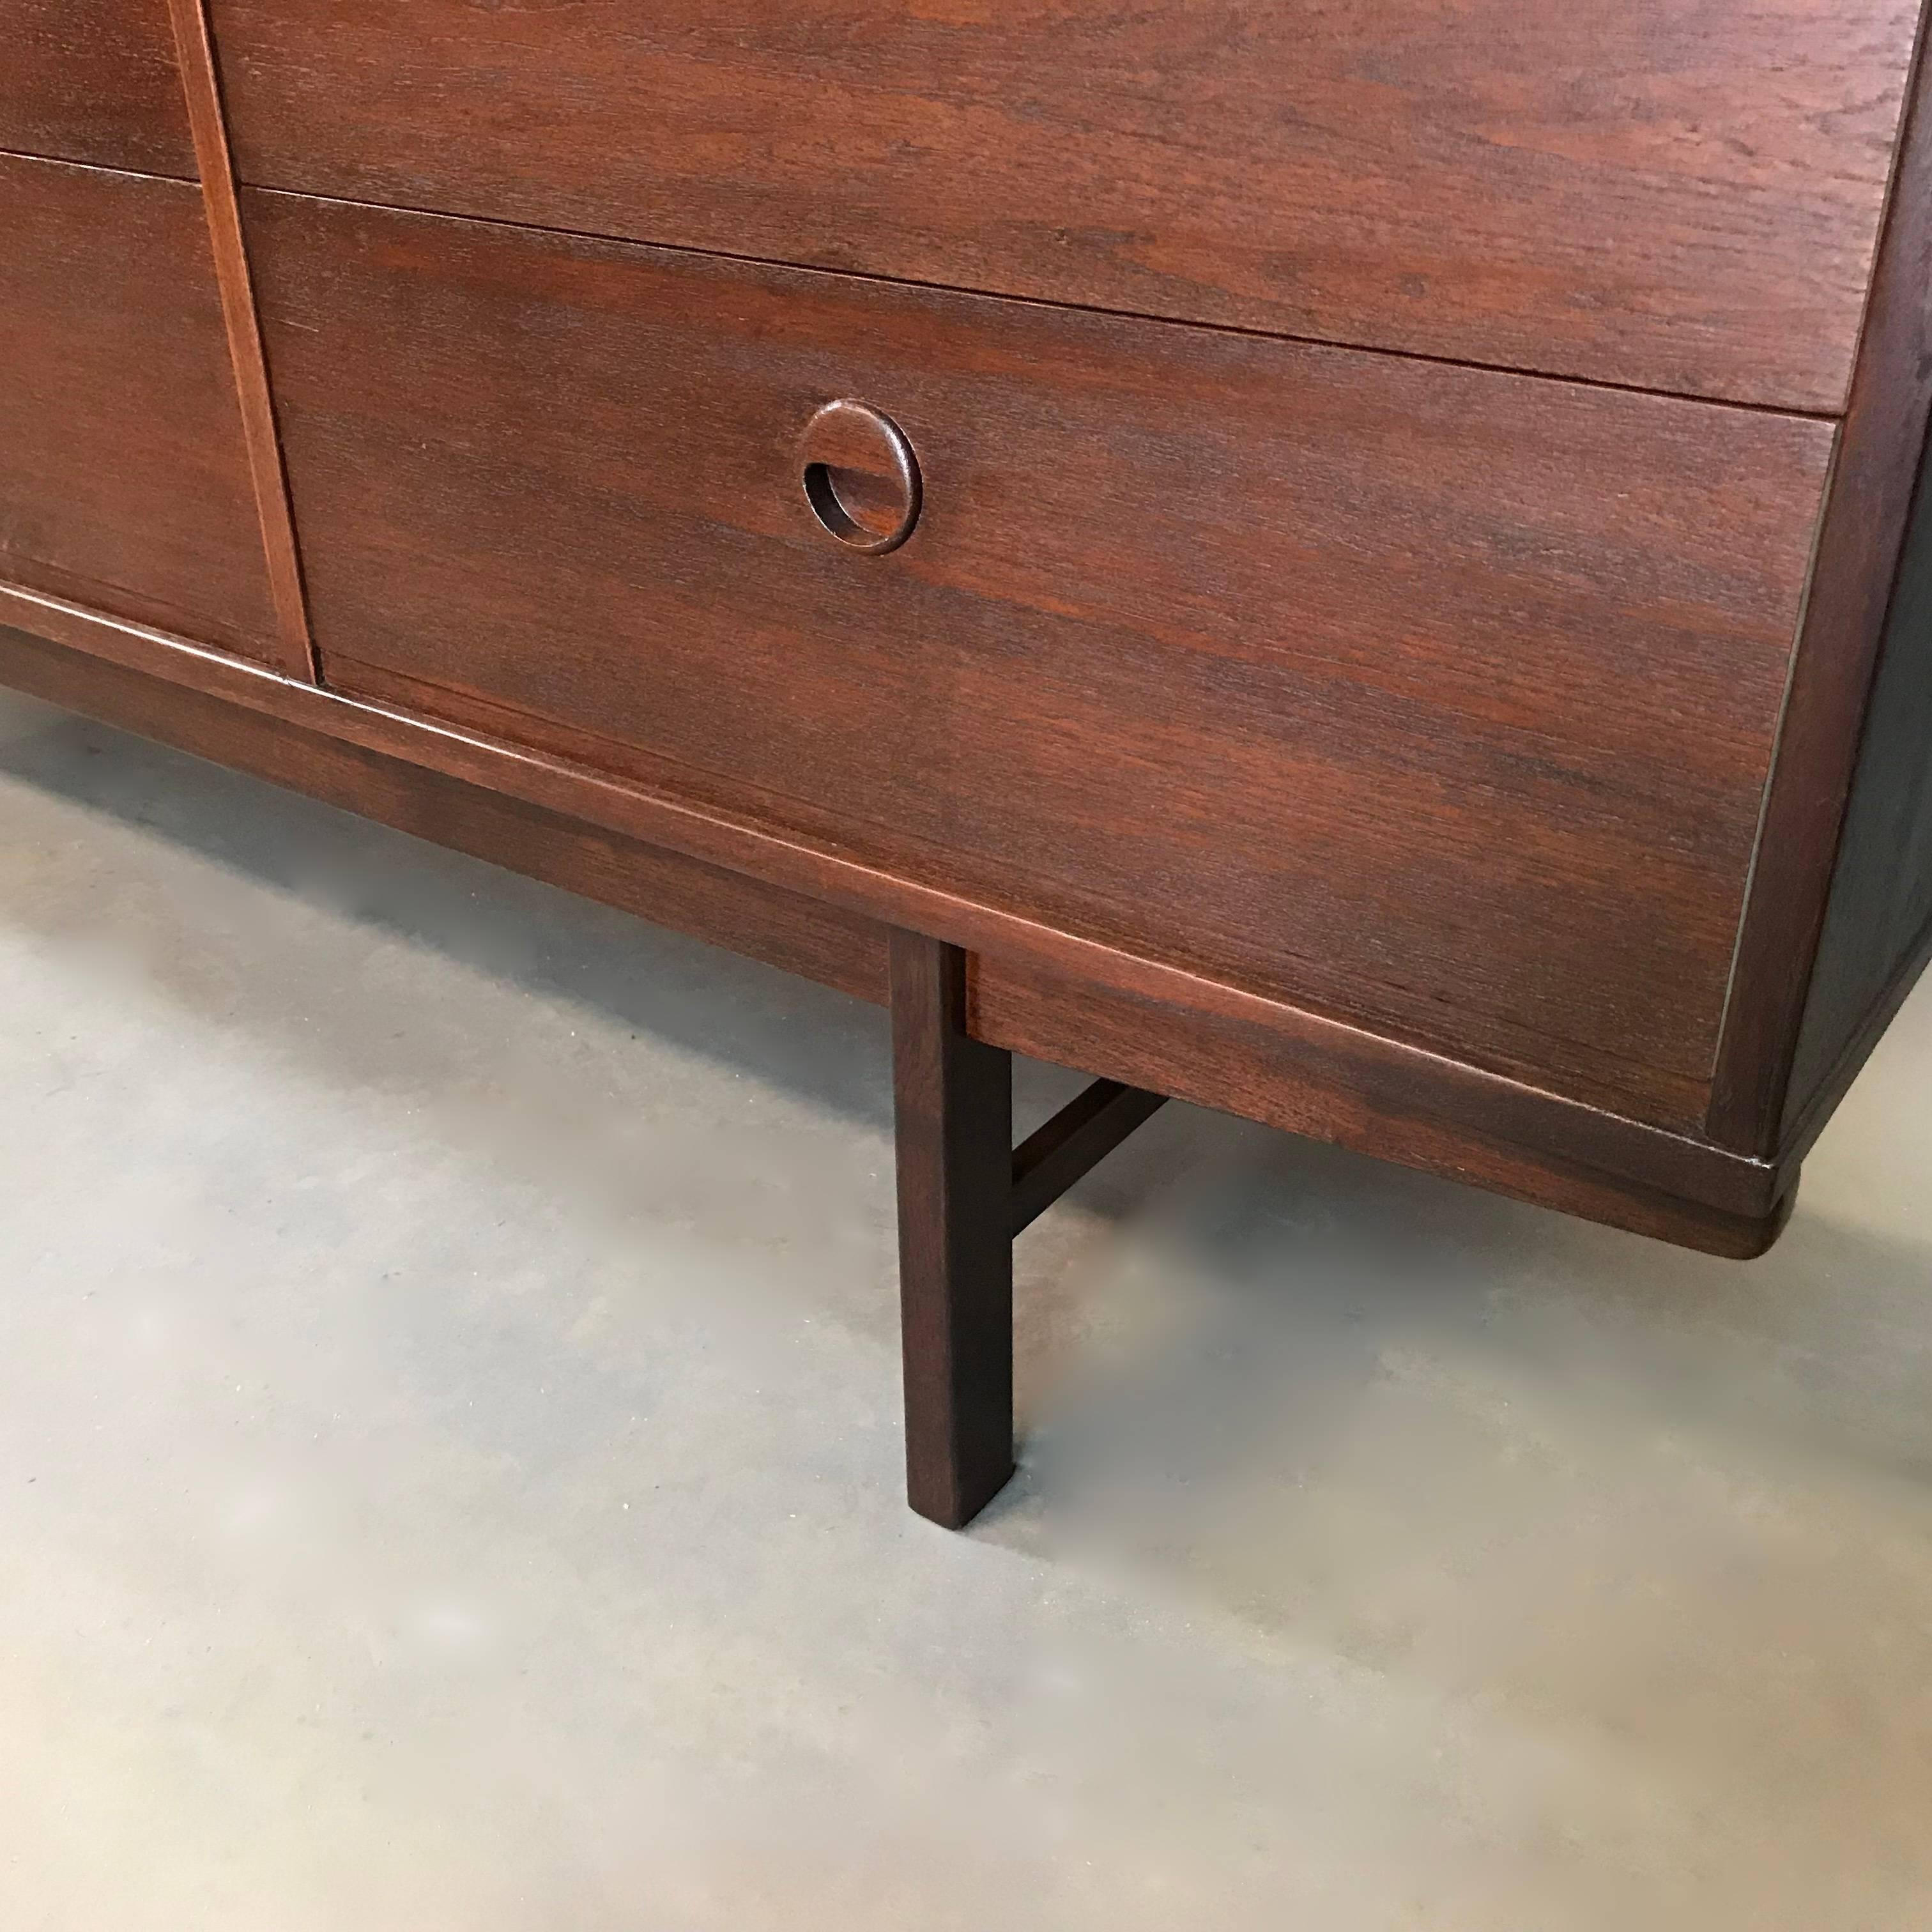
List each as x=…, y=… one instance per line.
x=953, y=1101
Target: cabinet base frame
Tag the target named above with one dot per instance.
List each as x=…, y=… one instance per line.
x=1147, y=1029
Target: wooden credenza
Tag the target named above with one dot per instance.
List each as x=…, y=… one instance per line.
x=1355, y=564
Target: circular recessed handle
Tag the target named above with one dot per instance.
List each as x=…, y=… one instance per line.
x=860, y=477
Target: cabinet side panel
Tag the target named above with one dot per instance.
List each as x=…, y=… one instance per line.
x=1440, y=701
x=1879, y=914
x=1860, y=543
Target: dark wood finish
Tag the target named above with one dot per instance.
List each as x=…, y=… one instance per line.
x=1859, y=546
x=1877, y=924
x=952, y=1105
x=1678, y=197
x=1075, y=1141
x=1041, y=991
x=93, y=81
x=797, y=934
x=293, y=651
x=124, y=482
x=1436, y=699
x=1329, y=1086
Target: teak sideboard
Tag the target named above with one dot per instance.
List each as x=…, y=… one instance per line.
x=1356, y=565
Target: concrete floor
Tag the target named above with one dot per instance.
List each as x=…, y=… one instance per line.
x=449, y=1464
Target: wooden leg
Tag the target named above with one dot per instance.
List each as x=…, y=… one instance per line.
x=953, y=1099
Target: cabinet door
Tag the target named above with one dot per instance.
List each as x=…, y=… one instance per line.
x=93, y=81
x=1439, y=698
x=124, y=477
x=1672, y=194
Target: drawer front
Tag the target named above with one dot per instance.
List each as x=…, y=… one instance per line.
x=1681, y=195
x=124, y=477
x=93, y=81
x=1434, y=697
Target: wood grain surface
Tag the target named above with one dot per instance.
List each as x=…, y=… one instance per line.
x=93, y=81
x=1678, y=197
x=788, y=930
x=1878, y=925
x=123, y=480
x=1434, y=698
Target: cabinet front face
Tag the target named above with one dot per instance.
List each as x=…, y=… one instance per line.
x=93, y=81
x=123, y=480
x=1680, y=195
x=1437, y=699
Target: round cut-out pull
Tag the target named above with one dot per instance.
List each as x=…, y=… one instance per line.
x=860, y=476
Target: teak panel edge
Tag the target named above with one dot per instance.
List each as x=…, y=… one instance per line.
x=1273, y=662
x=1678, y=198
x=208, y=122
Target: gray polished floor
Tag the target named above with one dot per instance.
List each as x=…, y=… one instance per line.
x=449, y=1463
